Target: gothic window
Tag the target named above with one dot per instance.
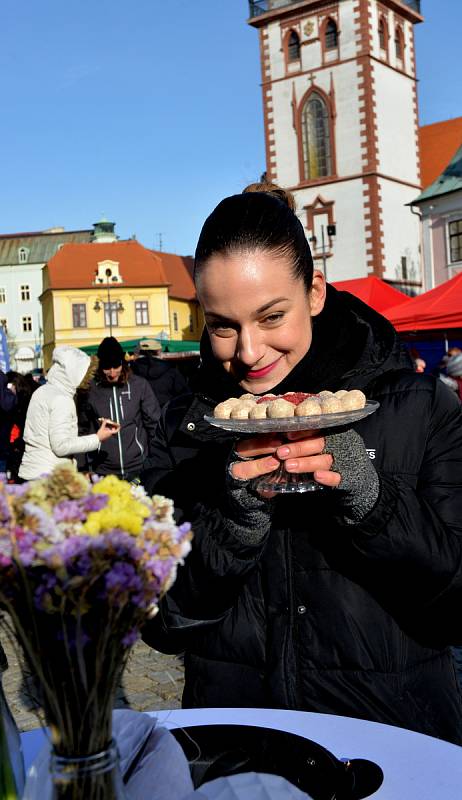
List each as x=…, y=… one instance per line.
x=23, y=255
x=331, y=35
x=455, y=240
x=317, y=157
x=293, y=47
x=383, y=35
x=399, y=44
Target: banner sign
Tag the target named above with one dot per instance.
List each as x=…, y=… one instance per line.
x=4, y=353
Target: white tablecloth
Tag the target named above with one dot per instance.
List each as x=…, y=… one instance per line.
x=416, y=767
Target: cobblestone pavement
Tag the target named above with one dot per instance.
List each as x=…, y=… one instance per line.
x=151, y=681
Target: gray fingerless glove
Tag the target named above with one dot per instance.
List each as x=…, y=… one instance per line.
x=360, y=486
x=247, y=514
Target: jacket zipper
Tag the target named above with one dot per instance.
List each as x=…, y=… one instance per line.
x=290, y=680
x=117, y=419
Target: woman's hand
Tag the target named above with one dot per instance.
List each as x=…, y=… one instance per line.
x=303, y=453
x=107, y=429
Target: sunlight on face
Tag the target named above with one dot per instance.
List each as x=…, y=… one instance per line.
x=258, y=315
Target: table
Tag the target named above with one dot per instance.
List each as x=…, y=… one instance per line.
x=416, y=767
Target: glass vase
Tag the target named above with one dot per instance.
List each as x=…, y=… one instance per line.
x=11, y=759
x=93, y=777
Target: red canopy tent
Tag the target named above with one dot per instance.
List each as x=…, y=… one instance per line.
x=437, y=309
x=373, y=291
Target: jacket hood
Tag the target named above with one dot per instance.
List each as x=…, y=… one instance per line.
x=68, y=369
x=352, y=346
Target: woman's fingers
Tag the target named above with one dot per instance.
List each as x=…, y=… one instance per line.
x=248, y=470
x=258, y=446
x=326, y=478
x=302, y=448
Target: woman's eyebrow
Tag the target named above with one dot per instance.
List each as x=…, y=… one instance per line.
x=271, y=303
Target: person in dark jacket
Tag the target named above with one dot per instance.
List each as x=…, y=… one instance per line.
x=8, y=402
x=166, y=381
x=127, y=400
x=344, y=600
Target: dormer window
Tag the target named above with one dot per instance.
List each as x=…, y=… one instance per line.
x=293, y=47
x=331, y=35
x=108, y=272
x=23, y=255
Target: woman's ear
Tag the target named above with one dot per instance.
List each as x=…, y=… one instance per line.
x=317, y=296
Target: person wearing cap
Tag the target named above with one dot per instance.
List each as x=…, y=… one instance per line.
x=126, y=399
x=453, y=377
x=166, y=381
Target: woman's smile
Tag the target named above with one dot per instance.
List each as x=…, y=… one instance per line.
x=261, y=372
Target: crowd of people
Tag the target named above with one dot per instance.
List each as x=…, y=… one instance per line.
x=344, y=600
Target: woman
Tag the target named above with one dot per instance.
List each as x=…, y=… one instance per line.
x=343, y=600
x=50, y=432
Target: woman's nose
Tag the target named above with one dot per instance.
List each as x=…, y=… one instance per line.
x=250, y=348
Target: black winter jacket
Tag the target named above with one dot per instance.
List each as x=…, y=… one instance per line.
x=321, y=616
x=134, y=406
x=166, y=381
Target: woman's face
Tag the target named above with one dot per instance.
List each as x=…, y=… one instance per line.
x=258, y=315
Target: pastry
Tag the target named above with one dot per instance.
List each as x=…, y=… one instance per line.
x=299, y=404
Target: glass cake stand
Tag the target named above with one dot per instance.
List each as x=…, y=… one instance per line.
x=281, y=481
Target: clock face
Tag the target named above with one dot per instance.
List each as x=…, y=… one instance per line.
x=308, y=28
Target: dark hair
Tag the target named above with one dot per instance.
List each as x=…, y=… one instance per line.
x=261, y=218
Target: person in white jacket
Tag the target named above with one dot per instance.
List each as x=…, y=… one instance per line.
x=51, y=432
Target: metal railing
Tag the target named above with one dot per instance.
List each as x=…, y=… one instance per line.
x=257, y=7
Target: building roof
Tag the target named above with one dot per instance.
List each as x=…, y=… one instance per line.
x=74, y=265
x=179, y=272
x=450, y=180
x=42, y=245
x=438, y=143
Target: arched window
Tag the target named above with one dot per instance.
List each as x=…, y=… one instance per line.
x=293, y=47
x=175, y=321
x=399, y=47
x=23, y=255
x=383, y=34
x=317, y=158
x=331, y=35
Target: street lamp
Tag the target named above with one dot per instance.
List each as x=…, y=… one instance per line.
x=117, y=306
x=331, y=230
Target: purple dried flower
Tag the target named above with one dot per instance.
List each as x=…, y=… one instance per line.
x=131, y=637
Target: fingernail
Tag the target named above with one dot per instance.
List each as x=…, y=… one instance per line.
x=291, y=465
x=283, y=451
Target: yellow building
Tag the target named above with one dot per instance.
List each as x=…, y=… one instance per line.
x=117, y=288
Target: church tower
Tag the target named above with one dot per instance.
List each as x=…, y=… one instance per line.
x=341, y=129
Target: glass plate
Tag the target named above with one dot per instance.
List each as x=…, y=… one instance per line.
x=287, y=424
x=281, y=481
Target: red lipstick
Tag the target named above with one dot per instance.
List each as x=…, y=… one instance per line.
x=253, y=374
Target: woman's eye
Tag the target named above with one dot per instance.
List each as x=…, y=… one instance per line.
x=272, y=318
x=221, y=329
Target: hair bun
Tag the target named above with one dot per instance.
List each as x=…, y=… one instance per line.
x=276, y=191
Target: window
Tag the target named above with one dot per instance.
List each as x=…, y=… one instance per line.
x=23, y=255
x=2, y=295
x=25, y=292
x=111, y=314
x=79, y=315
x=141, y=312
x=383, y=35
x=399, y=48
x=175, y=321
x=4, y=325
x=404, y=267
x=191, y=323
x=26, y=324
x=293, y=47
x=331, y=37
x=455, y=241
x=317, y=157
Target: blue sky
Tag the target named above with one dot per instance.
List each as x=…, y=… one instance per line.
x=149, y=111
